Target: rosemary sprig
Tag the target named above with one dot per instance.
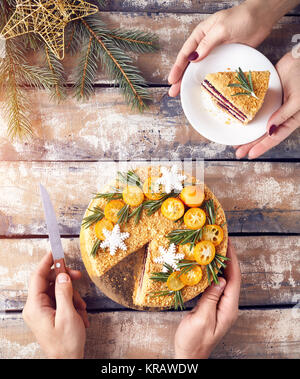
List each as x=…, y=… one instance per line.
x=123, y=214
x=160, y=293
x=130, y=178
x=213, y=270
x=137, y=213
x=245, y=84
x=95, y=248
x=163, y=277
x=184, y=236
x=97, y=215
x=211, y=211
x=178, y=300
x=154, y=205
x=186, y=265
x=108, y=196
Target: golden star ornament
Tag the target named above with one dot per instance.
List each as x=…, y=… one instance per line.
x=48, y=18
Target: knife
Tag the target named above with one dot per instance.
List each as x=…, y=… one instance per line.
x=53, y=231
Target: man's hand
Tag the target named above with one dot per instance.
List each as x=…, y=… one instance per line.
x=55, y=312
x=204, y=327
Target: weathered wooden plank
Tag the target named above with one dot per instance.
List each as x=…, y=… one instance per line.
x=258, y=197
x=104, y=128
x=187, y=6
x=173, y=30
x=256, y=334
x=269, y=267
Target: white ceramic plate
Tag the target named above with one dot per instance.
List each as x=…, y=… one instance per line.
x=211, y=122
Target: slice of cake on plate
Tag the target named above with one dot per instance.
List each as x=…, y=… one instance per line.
x=239, y=94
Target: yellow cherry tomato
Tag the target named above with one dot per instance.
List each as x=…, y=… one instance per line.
x=133, y=195
x=213, y=233
x=103, y=224
x=192, y=196
x=204, y=252
x=111, y=210
x=174, y=283
x=194, y=218
x=151, y=190
x=172, y=208
x=187, y=251
x=192, y=277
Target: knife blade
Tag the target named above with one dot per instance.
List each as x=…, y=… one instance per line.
x=53, y=231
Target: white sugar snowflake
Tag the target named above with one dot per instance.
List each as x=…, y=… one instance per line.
x=171, y=179
x=169, y=256
x=114, y=239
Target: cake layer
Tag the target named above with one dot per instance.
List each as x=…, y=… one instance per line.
x=223, y=102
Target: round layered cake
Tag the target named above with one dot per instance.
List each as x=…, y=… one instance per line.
x=154, y=238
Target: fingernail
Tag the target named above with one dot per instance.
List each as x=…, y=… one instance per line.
x=272, y=129
x=194, y=55
x=222, y=283
x=238, y=155
x=63, y=278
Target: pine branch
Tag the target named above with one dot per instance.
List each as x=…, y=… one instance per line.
x=101, y=3
x=118, y=66
x=16, y=101
x=58, y=90
x=35, y=76
x=134, y=40
x=87, y=70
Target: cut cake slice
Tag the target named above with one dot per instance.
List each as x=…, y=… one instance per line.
x=241, y=107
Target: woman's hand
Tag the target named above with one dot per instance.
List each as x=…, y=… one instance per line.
x=55, y=312
x=204, y=327
x=244, y=23
x=248, y=23
x=287, y=118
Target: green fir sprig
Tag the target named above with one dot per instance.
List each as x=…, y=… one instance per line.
x=100, y=47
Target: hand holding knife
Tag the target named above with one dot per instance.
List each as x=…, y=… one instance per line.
x=53, y=231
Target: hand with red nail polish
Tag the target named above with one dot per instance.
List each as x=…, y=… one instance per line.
x=217, y=310
x=55, y=312
x=248, y=23
x=287, y=118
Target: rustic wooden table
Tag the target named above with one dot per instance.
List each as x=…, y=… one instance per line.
x=74, y=145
